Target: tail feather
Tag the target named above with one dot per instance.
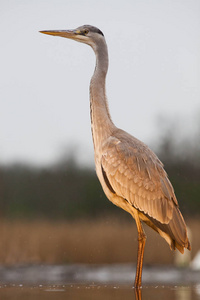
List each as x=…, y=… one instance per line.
x=175, y=230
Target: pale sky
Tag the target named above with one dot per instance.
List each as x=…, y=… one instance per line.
x=154, y=70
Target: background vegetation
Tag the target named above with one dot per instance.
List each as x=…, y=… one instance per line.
x=65, y=190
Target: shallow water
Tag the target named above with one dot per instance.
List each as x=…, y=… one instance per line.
x=97, y=282
x=115, y=292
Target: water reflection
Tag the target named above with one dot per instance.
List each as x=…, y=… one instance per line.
x=138, y=294
x=183, y=293
x=97, y=292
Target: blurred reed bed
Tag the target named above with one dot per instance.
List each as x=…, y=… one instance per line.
x=107, y=240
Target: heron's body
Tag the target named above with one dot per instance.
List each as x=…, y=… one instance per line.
x=131, y=175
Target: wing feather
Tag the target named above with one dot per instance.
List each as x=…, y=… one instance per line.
x=135, y=173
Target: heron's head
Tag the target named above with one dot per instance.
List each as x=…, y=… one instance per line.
x=85, y=34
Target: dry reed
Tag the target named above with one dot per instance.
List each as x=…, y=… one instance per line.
x=98, y=241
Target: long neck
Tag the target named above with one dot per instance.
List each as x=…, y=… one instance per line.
x=101, y=123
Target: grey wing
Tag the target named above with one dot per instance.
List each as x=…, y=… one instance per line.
x=135, y=173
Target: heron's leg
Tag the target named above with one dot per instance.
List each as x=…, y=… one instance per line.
x=141, y=245
x=124, y=204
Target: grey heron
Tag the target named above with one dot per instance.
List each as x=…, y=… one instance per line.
x=131, y=175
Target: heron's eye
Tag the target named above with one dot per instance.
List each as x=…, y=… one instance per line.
x=86, y=31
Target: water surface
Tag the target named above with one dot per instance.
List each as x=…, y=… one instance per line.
x=111, y=292
x=97, y=282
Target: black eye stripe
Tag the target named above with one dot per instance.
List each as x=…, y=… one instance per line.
x=91, y=29
x=100, y=32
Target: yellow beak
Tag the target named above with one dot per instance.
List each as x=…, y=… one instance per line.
x=70, y=34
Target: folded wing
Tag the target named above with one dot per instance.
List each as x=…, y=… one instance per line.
x=135, y=173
